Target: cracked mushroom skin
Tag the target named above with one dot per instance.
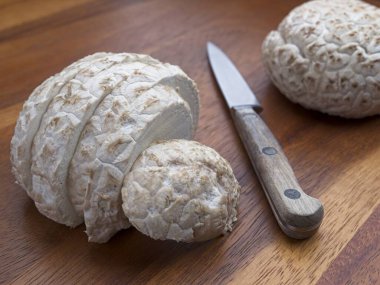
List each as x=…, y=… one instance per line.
x=81, y=130
x=181, y=190
x=325, y=55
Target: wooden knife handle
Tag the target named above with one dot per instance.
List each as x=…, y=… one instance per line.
x=298, y=214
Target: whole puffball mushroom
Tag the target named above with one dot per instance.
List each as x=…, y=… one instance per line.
x=181, y=190
x=325, y=56
x=81, y=130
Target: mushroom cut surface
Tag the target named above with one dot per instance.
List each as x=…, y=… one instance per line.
x=325, y=55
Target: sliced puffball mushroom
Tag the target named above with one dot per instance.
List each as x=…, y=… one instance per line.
x=181, y=190
x=325, y=56
x=67, y=109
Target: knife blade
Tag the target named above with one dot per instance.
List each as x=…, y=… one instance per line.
x=298, y=214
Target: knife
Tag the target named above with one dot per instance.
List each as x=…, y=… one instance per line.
x=298, y=214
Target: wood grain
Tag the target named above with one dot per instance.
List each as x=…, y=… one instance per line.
x=334, y=160
x=297, y=214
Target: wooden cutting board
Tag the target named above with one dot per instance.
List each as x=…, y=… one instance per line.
x=336, y=160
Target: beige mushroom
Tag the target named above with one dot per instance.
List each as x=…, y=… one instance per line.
x=181, y=190
x=80, y=132
x=325, y=56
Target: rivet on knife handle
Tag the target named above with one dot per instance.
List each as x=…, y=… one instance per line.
x=298, y=214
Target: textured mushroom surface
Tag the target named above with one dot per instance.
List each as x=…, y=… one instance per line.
x=325, y=56
x=181, y=190
x=158, y=114
x=32, y=112
x=81, y=130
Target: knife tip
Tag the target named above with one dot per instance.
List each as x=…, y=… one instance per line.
x=210, y=45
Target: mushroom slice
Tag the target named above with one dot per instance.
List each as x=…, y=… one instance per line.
x=325, y=56
x=176, y=78
x=181, y=190
x=187, y=89
x=55, y=141
x=30, y=117
x=159, y=113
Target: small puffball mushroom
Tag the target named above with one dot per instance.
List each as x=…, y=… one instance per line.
x=181, y=190
x=325, y=56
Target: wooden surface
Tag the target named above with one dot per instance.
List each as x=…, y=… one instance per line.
x=335, y=160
